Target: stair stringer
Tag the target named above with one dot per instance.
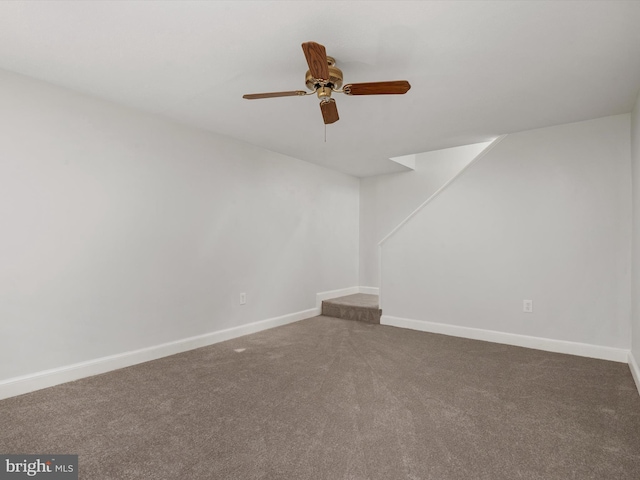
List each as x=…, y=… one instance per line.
x=437, y=193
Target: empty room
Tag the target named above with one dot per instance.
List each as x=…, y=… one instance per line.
x=429, y=269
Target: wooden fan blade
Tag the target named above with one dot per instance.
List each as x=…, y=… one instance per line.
x=316, y=56
x=396, y=87
x=329, y=111
x=255, y=96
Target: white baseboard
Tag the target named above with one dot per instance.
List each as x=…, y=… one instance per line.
x=29, y=383
x=635, y=370
x=547, y=344
x=343, y=292
x=335, y=294
x=369, y=290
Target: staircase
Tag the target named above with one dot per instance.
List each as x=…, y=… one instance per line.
x=361, y=307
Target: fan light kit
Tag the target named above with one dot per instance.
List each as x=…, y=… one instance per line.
x=323, y=78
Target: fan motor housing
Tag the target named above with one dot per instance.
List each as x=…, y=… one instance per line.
x=335, y=77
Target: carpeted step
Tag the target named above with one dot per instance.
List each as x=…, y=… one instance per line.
x=361, y=306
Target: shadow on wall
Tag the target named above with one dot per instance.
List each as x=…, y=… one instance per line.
x=544, y=216
x=386, y=200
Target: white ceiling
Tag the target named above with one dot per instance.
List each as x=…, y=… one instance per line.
x=477, y=69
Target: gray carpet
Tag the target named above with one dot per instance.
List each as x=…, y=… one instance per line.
x=333, y=399
x=360, y=306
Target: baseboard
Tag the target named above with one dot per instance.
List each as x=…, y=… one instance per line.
x=547, y=344
x=29, y=383
x=342, y=292
x=635, y=370
x=335, y=294
x=369, y=290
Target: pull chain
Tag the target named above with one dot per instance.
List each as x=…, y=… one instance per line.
x=325, y=133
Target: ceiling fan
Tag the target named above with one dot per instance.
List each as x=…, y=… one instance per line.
x=324, y=78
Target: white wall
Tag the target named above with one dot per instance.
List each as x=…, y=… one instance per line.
x=386, y=200
x=121, y=230
x=635, y=297
x=545, y=215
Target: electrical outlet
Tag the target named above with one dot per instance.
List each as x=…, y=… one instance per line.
x=243, y=298
x=527, y=306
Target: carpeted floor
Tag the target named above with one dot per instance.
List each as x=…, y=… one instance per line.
x=335, y=399
x=360, y=306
